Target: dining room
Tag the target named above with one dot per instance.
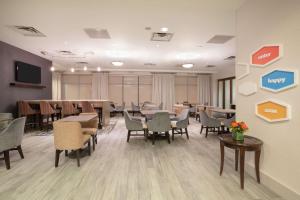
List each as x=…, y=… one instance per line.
x=149, y=100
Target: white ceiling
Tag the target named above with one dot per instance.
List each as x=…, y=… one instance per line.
x=193, y=23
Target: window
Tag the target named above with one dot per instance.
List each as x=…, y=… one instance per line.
x=76, y=87
x=185, y=89
x=226, y=92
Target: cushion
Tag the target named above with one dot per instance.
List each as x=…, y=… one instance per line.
x=89, y=131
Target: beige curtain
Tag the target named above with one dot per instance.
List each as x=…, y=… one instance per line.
x=204, y=89
x=100, y=85
x=163, y=90
x=56, y=86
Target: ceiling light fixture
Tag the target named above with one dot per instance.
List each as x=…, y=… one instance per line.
x=98, y=69
x=188, y=65
x=72, y=70
x=164, y=29
x=85, y=68
x=52, y=69
x=117, y=63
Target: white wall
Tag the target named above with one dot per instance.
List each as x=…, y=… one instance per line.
x=266, y=22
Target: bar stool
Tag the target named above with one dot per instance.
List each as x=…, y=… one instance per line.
x=48, y=111
x=32, y=115
x=68, y=109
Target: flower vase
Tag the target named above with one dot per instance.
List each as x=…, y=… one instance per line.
x=239, y=136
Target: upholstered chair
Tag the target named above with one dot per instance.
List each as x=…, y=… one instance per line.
x=11, y=139
x=32, y=115
x=68, y=109
x=5, y=119
x=87, y=107
x=159, y=124
x=120, y=109
x=68, y=136
x=90, y=128
x=160, y=107
x=208, y=123
x=134, y=124
x=134, y=108
x=181, y=122
x=227, y=122
x=47, y=111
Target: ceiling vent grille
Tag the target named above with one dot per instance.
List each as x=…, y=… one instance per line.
x=230, y=58
x=66, y=53
x=82, y=63
x=220, y=39
x=28, y=31
x=149, y=64
x=97, y=33
x=161, y=37
x=210, y=66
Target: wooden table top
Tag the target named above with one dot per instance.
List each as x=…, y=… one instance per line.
x=80, y=118
x=221, y=110
x=249, y=141
x=152, y=112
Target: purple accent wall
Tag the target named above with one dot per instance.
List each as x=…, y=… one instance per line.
x=10, y=95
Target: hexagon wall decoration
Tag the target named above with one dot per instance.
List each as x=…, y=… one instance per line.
x=266, y=55
x=278, y=80
x=273, y=111
x=247, y=88
x=245, y=70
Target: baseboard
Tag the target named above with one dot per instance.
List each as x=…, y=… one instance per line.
x=273, y=184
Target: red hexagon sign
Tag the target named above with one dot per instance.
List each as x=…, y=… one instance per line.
x=266, y=55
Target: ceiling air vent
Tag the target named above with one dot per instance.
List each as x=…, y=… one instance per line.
x=210, y=66
x=220, y=39
x=97, y=33
x=161, y=37
x=82, y=63
x=230, y=58
x=27, y=31
x=149, y=64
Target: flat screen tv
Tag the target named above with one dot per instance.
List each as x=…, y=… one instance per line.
x=27, y=73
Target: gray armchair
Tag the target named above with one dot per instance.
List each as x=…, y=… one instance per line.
x=120, y=109
x=210, y=124
x=160, y=123
x=11, y=139
x=5, y=118
x=227, y=122
x=134, y=124
x=135, y=108
x=181, y=123
x=160, y=107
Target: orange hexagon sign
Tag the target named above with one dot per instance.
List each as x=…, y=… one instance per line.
x=266, y=55
x=273, y=111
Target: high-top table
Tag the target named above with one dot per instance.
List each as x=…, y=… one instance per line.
x=228, y=112
x=249, y=144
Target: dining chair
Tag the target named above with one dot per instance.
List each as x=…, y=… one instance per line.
x=160, y=107
x=90, y=128
x=180, y=123
x=68, y=136
x=227, y=123
x=120, y=109
x=209, y=123
x=135, y=108
x=68, y=109
x=134, y=124
x=160, y=124
x=5, y=119
x=11, y=139
x=87, y=107
x=47, y=111
x=32, y=115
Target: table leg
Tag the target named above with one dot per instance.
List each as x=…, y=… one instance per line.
x=222, y=157
x=242, y=166
x=257, y=157
x=236, y=159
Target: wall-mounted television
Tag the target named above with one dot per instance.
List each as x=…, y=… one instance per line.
x=27, y=73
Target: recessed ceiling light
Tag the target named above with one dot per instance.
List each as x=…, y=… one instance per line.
x=117, y=63
x=164, y=29
x=52, y=69
x=157, y=45
x=98, y=69
x=188, y=65
x=85, y=68
x=72, y=70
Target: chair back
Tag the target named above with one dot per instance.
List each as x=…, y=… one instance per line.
x=227, y=122
x=87, y=107
x=5, y=118
x=67, y=108
x=68, y=135
x=46, y=108
x=12, y=135
x=160, y=107
x=134, y=107
x=160, y=122
x=204, y=119
x=183, y=119
x=25, y=109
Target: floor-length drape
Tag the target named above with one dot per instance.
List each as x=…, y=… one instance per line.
x=204, y=89
x=163, y=90
x=100, y=85
x=56, y=86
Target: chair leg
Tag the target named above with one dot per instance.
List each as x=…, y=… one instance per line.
x=19, y=148
x=66, y=153
x=181, y=131
x=6, y=159
x=201, y=129
x=47, y=123
x=187, y=134
x=153, y=138
x=173, y=130
x=206, y=132
x=128, y=135
x=78, y=157
x=168, y=137
x=57, y=152
x=89, y=146
x=94, y=141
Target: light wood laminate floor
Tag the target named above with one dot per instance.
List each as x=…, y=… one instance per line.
x=184, y=169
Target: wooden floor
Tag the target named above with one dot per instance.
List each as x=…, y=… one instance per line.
x=135, y=170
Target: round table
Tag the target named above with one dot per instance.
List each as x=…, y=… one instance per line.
x=249, y=144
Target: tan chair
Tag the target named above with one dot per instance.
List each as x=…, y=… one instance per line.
x=68, y=136
x=32, y=115
x=90, y=128
x=68, y=109
x=87, y=107
x=47, y=111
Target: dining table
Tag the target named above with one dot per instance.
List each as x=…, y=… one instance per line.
x=228, y=112
x=80, y=118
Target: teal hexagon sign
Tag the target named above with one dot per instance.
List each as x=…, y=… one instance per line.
x=279, y=79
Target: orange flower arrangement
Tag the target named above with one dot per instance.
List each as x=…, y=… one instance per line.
x=238, y=127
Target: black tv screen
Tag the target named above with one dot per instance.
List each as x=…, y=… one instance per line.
x=27, y=73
